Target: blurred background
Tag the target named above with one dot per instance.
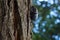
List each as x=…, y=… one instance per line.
x=47, y=26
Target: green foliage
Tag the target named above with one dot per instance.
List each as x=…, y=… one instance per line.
x=50, y=26
x=43, y=11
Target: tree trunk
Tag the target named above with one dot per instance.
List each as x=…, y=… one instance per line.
x=15, y=23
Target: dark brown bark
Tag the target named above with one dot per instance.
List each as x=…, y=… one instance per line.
x=15, y=23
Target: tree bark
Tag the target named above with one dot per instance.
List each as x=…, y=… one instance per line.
x=15, y=23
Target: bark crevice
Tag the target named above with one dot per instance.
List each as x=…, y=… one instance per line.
x=17, y=22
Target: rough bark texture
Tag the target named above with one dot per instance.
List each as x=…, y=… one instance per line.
x=15, y=23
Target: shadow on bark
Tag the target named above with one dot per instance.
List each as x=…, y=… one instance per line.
x=17, y=22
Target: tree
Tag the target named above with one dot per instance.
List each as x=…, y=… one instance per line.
x=15, y=23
